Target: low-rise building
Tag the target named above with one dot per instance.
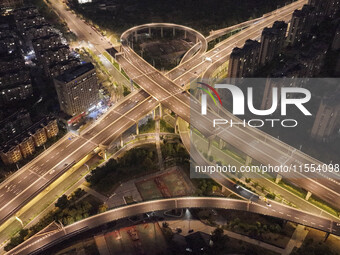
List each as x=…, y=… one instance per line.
x=10, y=154
x=15, y=85
x=14, y=125
x=25, y=144
x=10, y=62
x=59, y=68
x=25, y=12
x=24, y=23
x=35, y=32
x=51, y=127
x=39, y=135
x=50, y=57
x=49, y=41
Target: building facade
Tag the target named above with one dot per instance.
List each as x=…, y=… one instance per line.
x=327, y=120
x=272, y=41
x=244, y=61
x=300, y=24
x=77, y=89
x=25, y=144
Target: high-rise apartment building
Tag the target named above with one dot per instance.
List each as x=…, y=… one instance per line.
x=272, y=41
x=300, y=24
x=244, y=61
x=77, y=89
x=327, y=120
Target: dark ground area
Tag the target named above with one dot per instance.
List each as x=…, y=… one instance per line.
x=199, y=14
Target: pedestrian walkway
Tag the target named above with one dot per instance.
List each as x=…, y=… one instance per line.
x=158, y=145
x=102, y=245
x=94, y=193
x=297, y=239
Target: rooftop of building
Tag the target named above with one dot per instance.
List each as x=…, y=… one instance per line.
x=71, y=60
x=14, y=116
x=279, y=24
x=46, y=37
x=75, y=72
x=55, y=49
x=275, y=29
x=251, y=44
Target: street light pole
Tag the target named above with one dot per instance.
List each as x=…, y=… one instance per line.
x=22, y=224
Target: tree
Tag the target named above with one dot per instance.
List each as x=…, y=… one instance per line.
x=78, y=193
x=102, y=208
x=148, y=163
x=219, y=240
x=271, y=196
x=62, y=202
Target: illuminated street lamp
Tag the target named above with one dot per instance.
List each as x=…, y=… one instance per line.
x=22, y=224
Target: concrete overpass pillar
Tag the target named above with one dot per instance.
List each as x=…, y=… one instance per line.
x=121, y=141
x=221, y=144
x=278, y=178
x=154, y=113
x=137, y=128
x=162, y=32
x=173, y=32
x=326, y=236
x=176, y=129
x=135, y=36
x=309, y=194
x=160, y=111
x=248, y=160
x=223, y=189
x=185, y=34
x=150, y=31
x=210, y=144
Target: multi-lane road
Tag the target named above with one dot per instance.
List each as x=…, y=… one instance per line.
x=40, y=243
x=24, y=185
x=255, y=143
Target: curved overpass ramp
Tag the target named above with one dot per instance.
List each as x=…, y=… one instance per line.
x=194, y=53
x=41, y=243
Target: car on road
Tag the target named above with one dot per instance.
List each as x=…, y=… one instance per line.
x=269, y=205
